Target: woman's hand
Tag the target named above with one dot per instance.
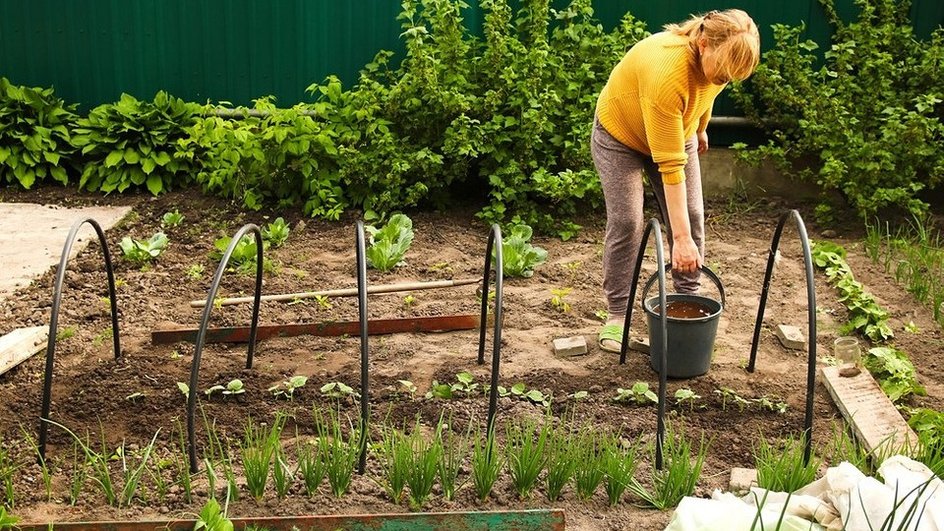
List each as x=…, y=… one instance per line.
x=702, y=141
x=685, y=256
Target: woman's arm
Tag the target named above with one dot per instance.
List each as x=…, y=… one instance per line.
x=685, y=256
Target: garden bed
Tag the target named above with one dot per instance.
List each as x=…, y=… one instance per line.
x=92, y=390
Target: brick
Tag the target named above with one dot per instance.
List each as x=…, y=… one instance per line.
x=742, y=479
x=791, y=337
x=570, y=346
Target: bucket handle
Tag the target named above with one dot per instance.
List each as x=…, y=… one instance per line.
x=704, y=269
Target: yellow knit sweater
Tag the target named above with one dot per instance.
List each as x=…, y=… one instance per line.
x=655, y=99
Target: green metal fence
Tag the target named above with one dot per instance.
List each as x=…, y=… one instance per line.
x=236, y=50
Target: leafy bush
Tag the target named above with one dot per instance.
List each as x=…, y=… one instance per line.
x=518, y=255
x=389, y=243
x=35, y=136
x=284, y=158
x=132, y=143
x=866, y=120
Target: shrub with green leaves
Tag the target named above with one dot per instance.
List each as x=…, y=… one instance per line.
x=519, y=257
x=284, y=158
x=35, y=135
x=388, y=244
x=142, y=252
x=866, y=119
x=132, y=143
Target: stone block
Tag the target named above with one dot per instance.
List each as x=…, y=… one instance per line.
x=570, y=346
x=791, y=337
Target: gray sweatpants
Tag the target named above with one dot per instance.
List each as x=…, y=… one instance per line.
x=621, y=173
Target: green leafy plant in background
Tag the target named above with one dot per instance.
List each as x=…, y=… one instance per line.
x=243, y=258
x=895, y=373
x=866, y=119
x=389, y=244
x=132, y=143
x=518, y=255
x=142, y=252
x=35, y=135
x=929, y=425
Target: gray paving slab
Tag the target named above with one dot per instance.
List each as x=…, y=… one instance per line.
x=32, y=236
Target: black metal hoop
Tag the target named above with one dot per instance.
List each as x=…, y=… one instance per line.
x=54, y=318
x=494, y=235
x=811, y=310
x=205, y=323
x=362, y=314
x=652, y=227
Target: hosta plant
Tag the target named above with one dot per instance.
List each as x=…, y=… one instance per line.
x=132, y=143
x=35, y=135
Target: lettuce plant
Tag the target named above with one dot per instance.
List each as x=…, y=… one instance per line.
x=519, y=256
x=389, y=243
x=141, y=252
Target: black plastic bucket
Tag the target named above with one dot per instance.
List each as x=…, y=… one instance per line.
x=691, y=341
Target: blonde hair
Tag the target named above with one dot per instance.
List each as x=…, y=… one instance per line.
x=731, y=33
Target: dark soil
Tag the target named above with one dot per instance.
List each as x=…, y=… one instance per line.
x=92, y=391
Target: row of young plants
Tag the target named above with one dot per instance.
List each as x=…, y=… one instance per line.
x=387, y=246
x=890, y=366
x=507, y=115
x=863, y=117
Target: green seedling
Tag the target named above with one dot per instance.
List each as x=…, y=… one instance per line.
x=243, y=257
x=234, y=387
x=619, y=466
x=680, y=471
x=562, y=462
x=465, y=384
x=142, y=252
x=455, y=449
x=65, y=332
x=590, y=455
x=730, y=395
x=408, y=387
x=184, y=389
x=521, y=392
x=340, y=454
x=276, y=233
x=773, y=404
x=389, y=244
x=911, y=327
x=639, y=394
x=7, y=520
x=311, y=464
x=525, y=446
x=422, y=466
x=687, y=396
x=282, y=475
x=135, y=397
x=409, y=301
x=486, y=464
x=602, y=315
x=287, y=388
x=172, y=219
x=578, y=395
x=8, y=468
x=783, y=468
x=558, y=301
x=213, y=518
x=439, y=390
x=338, y=391
x=258, y=448
x=44, y=469
x=323, y=302
x=195, y=271
x=394, y=452
x=572, y=268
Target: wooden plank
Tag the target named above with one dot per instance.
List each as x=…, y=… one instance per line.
x=532, y=519
x=20, y=345
x=875, y=422
x=240, y=334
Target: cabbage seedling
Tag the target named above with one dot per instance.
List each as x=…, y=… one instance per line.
x=338, y=391
x=687, y=395
x=234, y=387
x=389, y=243
x=520, y=257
